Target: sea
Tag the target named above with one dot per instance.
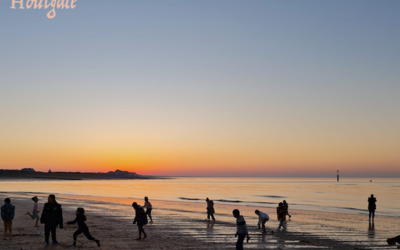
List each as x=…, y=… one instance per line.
x=315, y=194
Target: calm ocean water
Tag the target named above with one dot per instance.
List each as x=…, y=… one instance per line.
x=348, y=195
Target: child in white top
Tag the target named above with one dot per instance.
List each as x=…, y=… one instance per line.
x=262, y=219
x=148, y=207
x=35, y=212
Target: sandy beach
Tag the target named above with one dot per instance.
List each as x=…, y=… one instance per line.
x=182, y=225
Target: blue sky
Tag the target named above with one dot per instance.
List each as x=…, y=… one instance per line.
x=297, y=76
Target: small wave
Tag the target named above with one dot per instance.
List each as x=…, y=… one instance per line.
x=189, y=199
x=263, y=202
x=352, y=208
x=229, y=201
x=271, y=196
x=220, y=200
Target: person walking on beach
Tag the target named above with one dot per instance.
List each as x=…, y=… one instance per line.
x=35, y=213
x=7, y=215
x=262, y=219
x=140, y=220
x=281, y=212
x=210, y=209
x=82, y=227
x=148, y=207
x=287, y=208
x=372, y=207
x=241, y=231
x=51, y=218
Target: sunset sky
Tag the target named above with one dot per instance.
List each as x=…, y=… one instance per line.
x=206, y=88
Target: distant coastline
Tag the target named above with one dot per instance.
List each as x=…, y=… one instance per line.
x=31, y=174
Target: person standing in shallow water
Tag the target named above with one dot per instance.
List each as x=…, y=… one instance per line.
x=148, y=207
x=210, y=209
x=51, y=218
x=372, y=207
x=140, y=220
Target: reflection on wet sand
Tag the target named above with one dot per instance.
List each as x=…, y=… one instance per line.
x=181, y=225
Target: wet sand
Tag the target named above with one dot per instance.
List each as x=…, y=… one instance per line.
x=182, y=225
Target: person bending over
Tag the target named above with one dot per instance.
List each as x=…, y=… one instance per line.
x=262, y=219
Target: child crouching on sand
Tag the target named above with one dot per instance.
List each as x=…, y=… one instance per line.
x=392, y=241
x=241, y=232
x=7, y=215
x=82, y=227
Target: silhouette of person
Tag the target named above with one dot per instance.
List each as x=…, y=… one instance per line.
x=51, y=218
x=140, y=220
x=241, y=229
x=210, y=209
x=281, y=212
x=7, y=215
x=372, y=207
x=287, y=208
x=82, y=227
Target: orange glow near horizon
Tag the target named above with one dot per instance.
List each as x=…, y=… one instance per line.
x=228, y=160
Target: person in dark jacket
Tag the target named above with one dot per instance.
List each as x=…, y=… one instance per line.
x=51, y=218
x=372, y=207
x=140, y=220
x=210, y=209
x=82, y=227
x=287, y=208
x=281, y=212
x=7, y=215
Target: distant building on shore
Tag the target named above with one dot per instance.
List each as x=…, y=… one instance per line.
x=122, y=173
x=30, y=170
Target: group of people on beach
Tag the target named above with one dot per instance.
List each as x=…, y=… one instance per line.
x=242, y=232
x=52, y=218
